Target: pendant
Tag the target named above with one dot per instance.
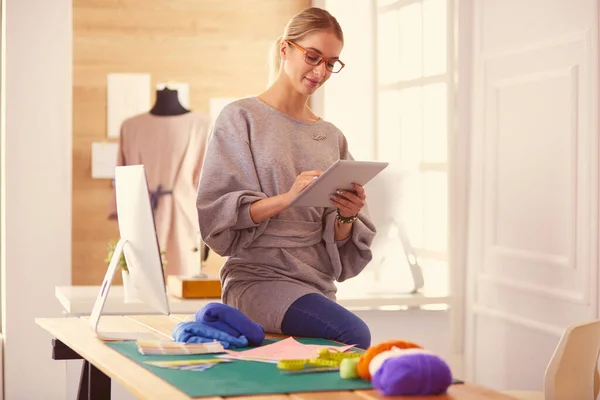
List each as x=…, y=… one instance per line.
x=319, y=136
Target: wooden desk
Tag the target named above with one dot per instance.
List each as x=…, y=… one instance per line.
x=73, y=338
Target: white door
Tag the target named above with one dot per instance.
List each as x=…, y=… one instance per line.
x=533, y=204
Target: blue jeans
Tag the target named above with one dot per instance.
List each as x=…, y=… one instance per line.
x=314, y=315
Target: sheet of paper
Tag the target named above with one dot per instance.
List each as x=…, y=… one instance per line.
x=286, y=349
x=183, y=91
x=188, y=365
x=104, y=160
x=127, y=95
x=172, y=348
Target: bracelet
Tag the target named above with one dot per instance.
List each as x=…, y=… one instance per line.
x=346, y=220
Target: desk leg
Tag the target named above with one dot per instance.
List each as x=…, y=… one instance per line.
x=94, y=384
x=82, y=392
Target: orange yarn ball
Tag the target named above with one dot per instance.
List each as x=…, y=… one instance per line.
x=364, y=360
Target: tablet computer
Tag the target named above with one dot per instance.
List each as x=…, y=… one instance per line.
x=341, y=175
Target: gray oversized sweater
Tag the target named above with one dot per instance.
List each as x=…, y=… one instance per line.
x=256, y=152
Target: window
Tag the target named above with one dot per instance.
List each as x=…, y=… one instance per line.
x=413, y=84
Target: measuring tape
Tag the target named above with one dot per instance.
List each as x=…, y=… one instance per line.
x=326, y=359
x=336, y=355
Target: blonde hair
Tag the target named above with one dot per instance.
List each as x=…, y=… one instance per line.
x=306, y=22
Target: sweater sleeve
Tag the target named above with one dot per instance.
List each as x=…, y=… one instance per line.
x=351, y=255
x=228, y=186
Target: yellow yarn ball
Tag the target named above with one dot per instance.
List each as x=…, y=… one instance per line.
x=348, y=368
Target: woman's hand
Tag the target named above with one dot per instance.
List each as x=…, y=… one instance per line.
x=349, y=203
x=266, y=208
x=301, y=182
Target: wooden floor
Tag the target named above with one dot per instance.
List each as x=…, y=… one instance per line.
x=76, y=333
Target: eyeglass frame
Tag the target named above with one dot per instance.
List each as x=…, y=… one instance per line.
x=323, y=58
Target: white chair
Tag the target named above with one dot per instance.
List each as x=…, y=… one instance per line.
x=572, y=372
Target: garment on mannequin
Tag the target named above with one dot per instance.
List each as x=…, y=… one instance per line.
x=167, y=103
x=171, y=147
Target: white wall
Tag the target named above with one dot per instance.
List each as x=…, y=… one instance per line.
x=36, y=191
x=429, y=328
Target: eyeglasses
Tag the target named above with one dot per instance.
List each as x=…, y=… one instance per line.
x=313, y=58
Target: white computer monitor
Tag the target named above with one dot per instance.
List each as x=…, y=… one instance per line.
x=139, y=243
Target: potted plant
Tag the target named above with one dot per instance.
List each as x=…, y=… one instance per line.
x=130, y=291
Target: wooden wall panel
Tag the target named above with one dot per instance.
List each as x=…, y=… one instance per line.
x=220, y=47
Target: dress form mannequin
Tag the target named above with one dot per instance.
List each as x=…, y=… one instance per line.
x=169, y=140
x=167, y=103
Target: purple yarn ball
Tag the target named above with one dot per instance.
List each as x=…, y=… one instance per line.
x=417, y=374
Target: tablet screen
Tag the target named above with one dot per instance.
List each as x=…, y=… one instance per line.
x=341, y=175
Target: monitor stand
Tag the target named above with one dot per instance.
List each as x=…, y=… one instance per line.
x=411, y=258
x=416, y=272
x=101, y=300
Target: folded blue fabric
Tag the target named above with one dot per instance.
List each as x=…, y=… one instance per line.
x=197, y=332
x=232, y=321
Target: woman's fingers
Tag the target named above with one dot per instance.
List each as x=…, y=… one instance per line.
x=360, y=191
x=348, y=198
x=349, y=203
x=344, y=209
x=347, y=206
x=315, y=172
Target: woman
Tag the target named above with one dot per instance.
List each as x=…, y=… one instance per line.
x=283, y=261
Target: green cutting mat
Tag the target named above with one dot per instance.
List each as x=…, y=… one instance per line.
x=241, y=377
